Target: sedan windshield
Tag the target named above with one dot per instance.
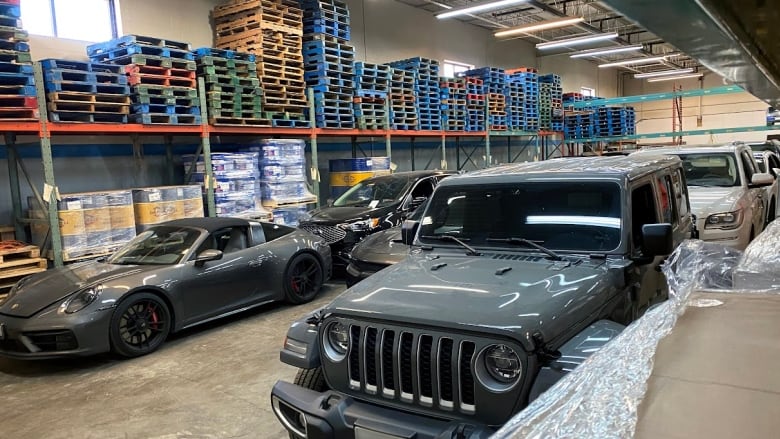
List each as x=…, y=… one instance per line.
x=374, y=193
x=574, y=216
x=160, y=245
x=711, y=169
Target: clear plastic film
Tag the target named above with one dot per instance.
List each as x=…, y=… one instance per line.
x=600, y=398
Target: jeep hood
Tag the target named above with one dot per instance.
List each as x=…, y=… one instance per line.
x=708, y=200
x=535, y=295
x=43, y=289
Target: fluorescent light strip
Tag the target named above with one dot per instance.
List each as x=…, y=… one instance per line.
x=671, y=78
x=663, y=73
x=576, y=41
x=634, y=61
x=621, y=49
x=543, y=25
x=478, y=8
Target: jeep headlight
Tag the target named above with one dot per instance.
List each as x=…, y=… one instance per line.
x=726, y=220
x=368, y=224
x=336, y=341
x=80, y=300
x=499, y=367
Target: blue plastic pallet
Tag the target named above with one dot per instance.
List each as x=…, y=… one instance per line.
x=122, y=52
x=136, y=40
x=87, y=117
x=165, y=119
x=59, y=75
x=16, y=79
x=10, y=11
x=21, y=69
x=17, y=46
x=86, y=87
x=222, y=53
x=18, y=90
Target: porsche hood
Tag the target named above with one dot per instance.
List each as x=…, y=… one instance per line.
x=41, y=290
x=533, y=295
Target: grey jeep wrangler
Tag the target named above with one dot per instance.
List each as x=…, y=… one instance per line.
x=515, y=276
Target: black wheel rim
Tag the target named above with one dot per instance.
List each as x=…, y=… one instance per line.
x=304, y=277
x=143, y=324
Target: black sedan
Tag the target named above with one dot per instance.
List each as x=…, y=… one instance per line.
x=372, y=205
x=171, y=277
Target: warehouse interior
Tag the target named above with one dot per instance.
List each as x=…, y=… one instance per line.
x=275, y=113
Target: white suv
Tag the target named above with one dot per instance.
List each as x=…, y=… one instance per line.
x=725, y=186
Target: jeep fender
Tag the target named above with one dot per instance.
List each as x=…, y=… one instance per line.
x=301, y=348
x=573, y=353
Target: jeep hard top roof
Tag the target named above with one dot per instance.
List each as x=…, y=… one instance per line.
x=629, y=167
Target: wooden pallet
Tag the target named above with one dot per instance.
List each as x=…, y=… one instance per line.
x=10, y=250
x=7, y=233
x=13, y=272
x=232, y=9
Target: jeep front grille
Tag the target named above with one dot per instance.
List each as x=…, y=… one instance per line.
x=430, y=370
x=331, y=234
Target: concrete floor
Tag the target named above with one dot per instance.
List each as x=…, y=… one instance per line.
x=213, y=381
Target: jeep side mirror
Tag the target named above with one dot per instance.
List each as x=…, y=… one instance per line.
x=408, y=231
x=761, y=180
x=657, y=239
x=206, y=256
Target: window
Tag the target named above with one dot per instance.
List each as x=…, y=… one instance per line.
x=668, y=200
x=85, y=20
x=587, y=91
x=452, y=68
x=643, y=211
x=678, y=184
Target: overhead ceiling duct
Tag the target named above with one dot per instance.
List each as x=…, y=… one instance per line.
x=734, y=39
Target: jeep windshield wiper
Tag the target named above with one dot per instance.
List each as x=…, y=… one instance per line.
x=459, y=241
x=529, y=243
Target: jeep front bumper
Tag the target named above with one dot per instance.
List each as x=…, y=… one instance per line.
x=332, y=415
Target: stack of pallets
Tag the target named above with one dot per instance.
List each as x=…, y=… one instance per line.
x=18, y=260
x=614, y=121
x=329, y=62
x=494, y=82
x=372, y=84
x=233, y=93
x=161, y=74
x=514, y=106
x=550, y=102
x=453, y=95
x=528, y=80
x=17, y=85
x=579, y=125
x=496, y=117
x=86, y=92
x=403, y=108
x=271, y=30
x=426, y=89
x=475, y=104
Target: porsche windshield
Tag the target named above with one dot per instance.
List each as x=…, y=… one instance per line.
x=373, y=193
x=158, y=246
x=572, y=215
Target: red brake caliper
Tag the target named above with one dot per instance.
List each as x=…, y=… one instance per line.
x=154, y=318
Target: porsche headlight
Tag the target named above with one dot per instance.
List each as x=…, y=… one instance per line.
x=726, y=220
x=368, y=224
x=499, y=367
x=336, y=341
x=80, y=300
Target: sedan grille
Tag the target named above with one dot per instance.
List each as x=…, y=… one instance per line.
x=331, y=234
x=430, y=370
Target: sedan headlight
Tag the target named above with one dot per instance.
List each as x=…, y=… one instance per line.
x=727, y=220
x=368, y=224
x=80, y=300
x=499, y=367
x=336, y=341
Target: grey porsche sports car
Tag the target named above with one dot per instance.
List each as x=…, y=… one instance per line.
x=173, y=276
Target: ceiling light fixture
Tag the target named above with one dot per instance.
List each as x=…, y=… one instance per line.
x=542, y=25
x=663, y=73
x=576, y=41
x=634, y=61
x=599, y=52
x=478, y=8
x=671, y=78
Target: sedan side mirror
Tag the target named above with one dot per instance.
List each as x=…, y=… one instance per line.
x=657, y=239
x=207, y=256
x=761, y=180
x=408, y=231
x=416, y=202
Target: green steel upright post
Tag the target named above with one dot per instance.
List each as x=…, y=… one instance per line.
x=169, y=158
x=13, y=179
x=487, y=131
x=50, y=189
x=388, y=126
x=315, y=170
x=205, y=141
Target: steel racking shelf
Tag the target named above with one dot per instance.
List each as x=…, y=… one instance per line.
x=638, y=99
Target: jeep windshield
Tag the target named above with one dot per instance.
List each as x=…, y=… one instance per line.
x=711, y=169
x=375, y=193
x=567, y=216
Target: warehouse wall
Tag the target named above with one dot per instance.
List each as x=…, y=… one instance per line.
x=577, y=73
x=723, y=111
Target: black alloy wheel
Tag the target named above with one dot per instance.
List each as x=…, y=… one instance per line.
x=140, y=324
x=303, y=279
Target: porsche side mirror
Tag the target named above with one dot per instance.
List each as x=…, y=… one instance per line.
x=408, y=231
x=761, y=180
x=207, y=256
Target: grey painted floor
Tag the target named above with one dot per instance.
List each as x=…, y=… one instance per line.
x=213, y=381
